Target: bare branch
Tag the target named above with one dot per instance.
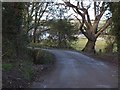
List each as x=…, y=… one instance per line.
x=68, y=16
x=104, y=27
x=95, y=9
x=32, y=9
x=88, y=6
x=82, y=5
x=77, y=18
x=43, y=11
x=88, y=18
x=82, y=26
x=70, y=5
x=78, y=5
x=74, y=10
x=102, y=11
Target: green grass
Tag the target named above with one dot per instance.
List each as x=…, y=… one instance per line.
x=81, y=42
x=7, y=66
x=100, y=44
x=27, y=69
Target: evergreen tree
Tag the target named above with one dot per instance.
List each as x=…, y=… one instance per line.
x=12, y=28
x=115, y=8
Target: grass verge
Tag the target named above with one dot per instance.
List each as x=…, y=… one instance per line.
x=81, y=42
x=111, y=58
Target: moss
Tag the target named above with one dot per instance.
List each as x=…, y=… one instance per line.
x=7, y=66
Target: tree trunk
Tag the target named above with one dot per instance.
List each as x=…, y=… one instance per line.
x=34, y=35
x=90, y=46
x=34, y=38
x=59, y=40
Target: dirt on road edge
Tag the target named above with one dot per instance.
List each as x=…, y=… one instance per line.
x=109, y=58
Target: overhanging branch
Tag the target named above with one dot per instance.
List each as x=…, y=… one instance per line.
x=104, y=27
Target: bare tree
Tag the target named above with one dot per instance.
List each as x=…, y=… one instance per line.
x=33, y=15
x=89, y=29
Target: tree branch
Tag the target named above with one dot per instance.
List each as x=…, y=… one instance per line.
x=98, y=17
x=88, y=18
x=104, y=27
x=82, y=26
x=70, y=5
x=74, y=10
x=102, y=11
x=95, y=9
x=42, y=12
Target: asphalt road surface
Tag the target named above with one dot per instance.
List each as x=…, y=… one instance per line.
x=75, y=70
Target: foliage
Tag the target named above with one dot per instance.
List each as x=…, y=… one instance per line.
x=61, y=33
x=17, y=58
x=7, y=66
x=14, y=38
x=110, y=41
x=87, y=27
x=14, y=43
x=43, y=57
x=115, y=9
x=33, y=12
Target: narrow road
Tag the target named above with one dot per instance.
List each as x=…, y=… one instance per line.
x=75, y=70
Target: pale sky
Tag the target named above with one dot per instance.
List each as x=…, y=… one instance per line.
x=86, y=2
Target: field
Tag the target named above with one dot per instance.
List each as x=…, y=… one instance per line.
x=80, y=44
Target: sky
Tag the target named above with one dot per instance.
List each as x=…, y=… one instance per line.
x=86, y=2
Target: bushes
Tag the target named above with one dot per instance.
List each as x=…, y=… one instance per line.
x=110, y=43
x=42, y=57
